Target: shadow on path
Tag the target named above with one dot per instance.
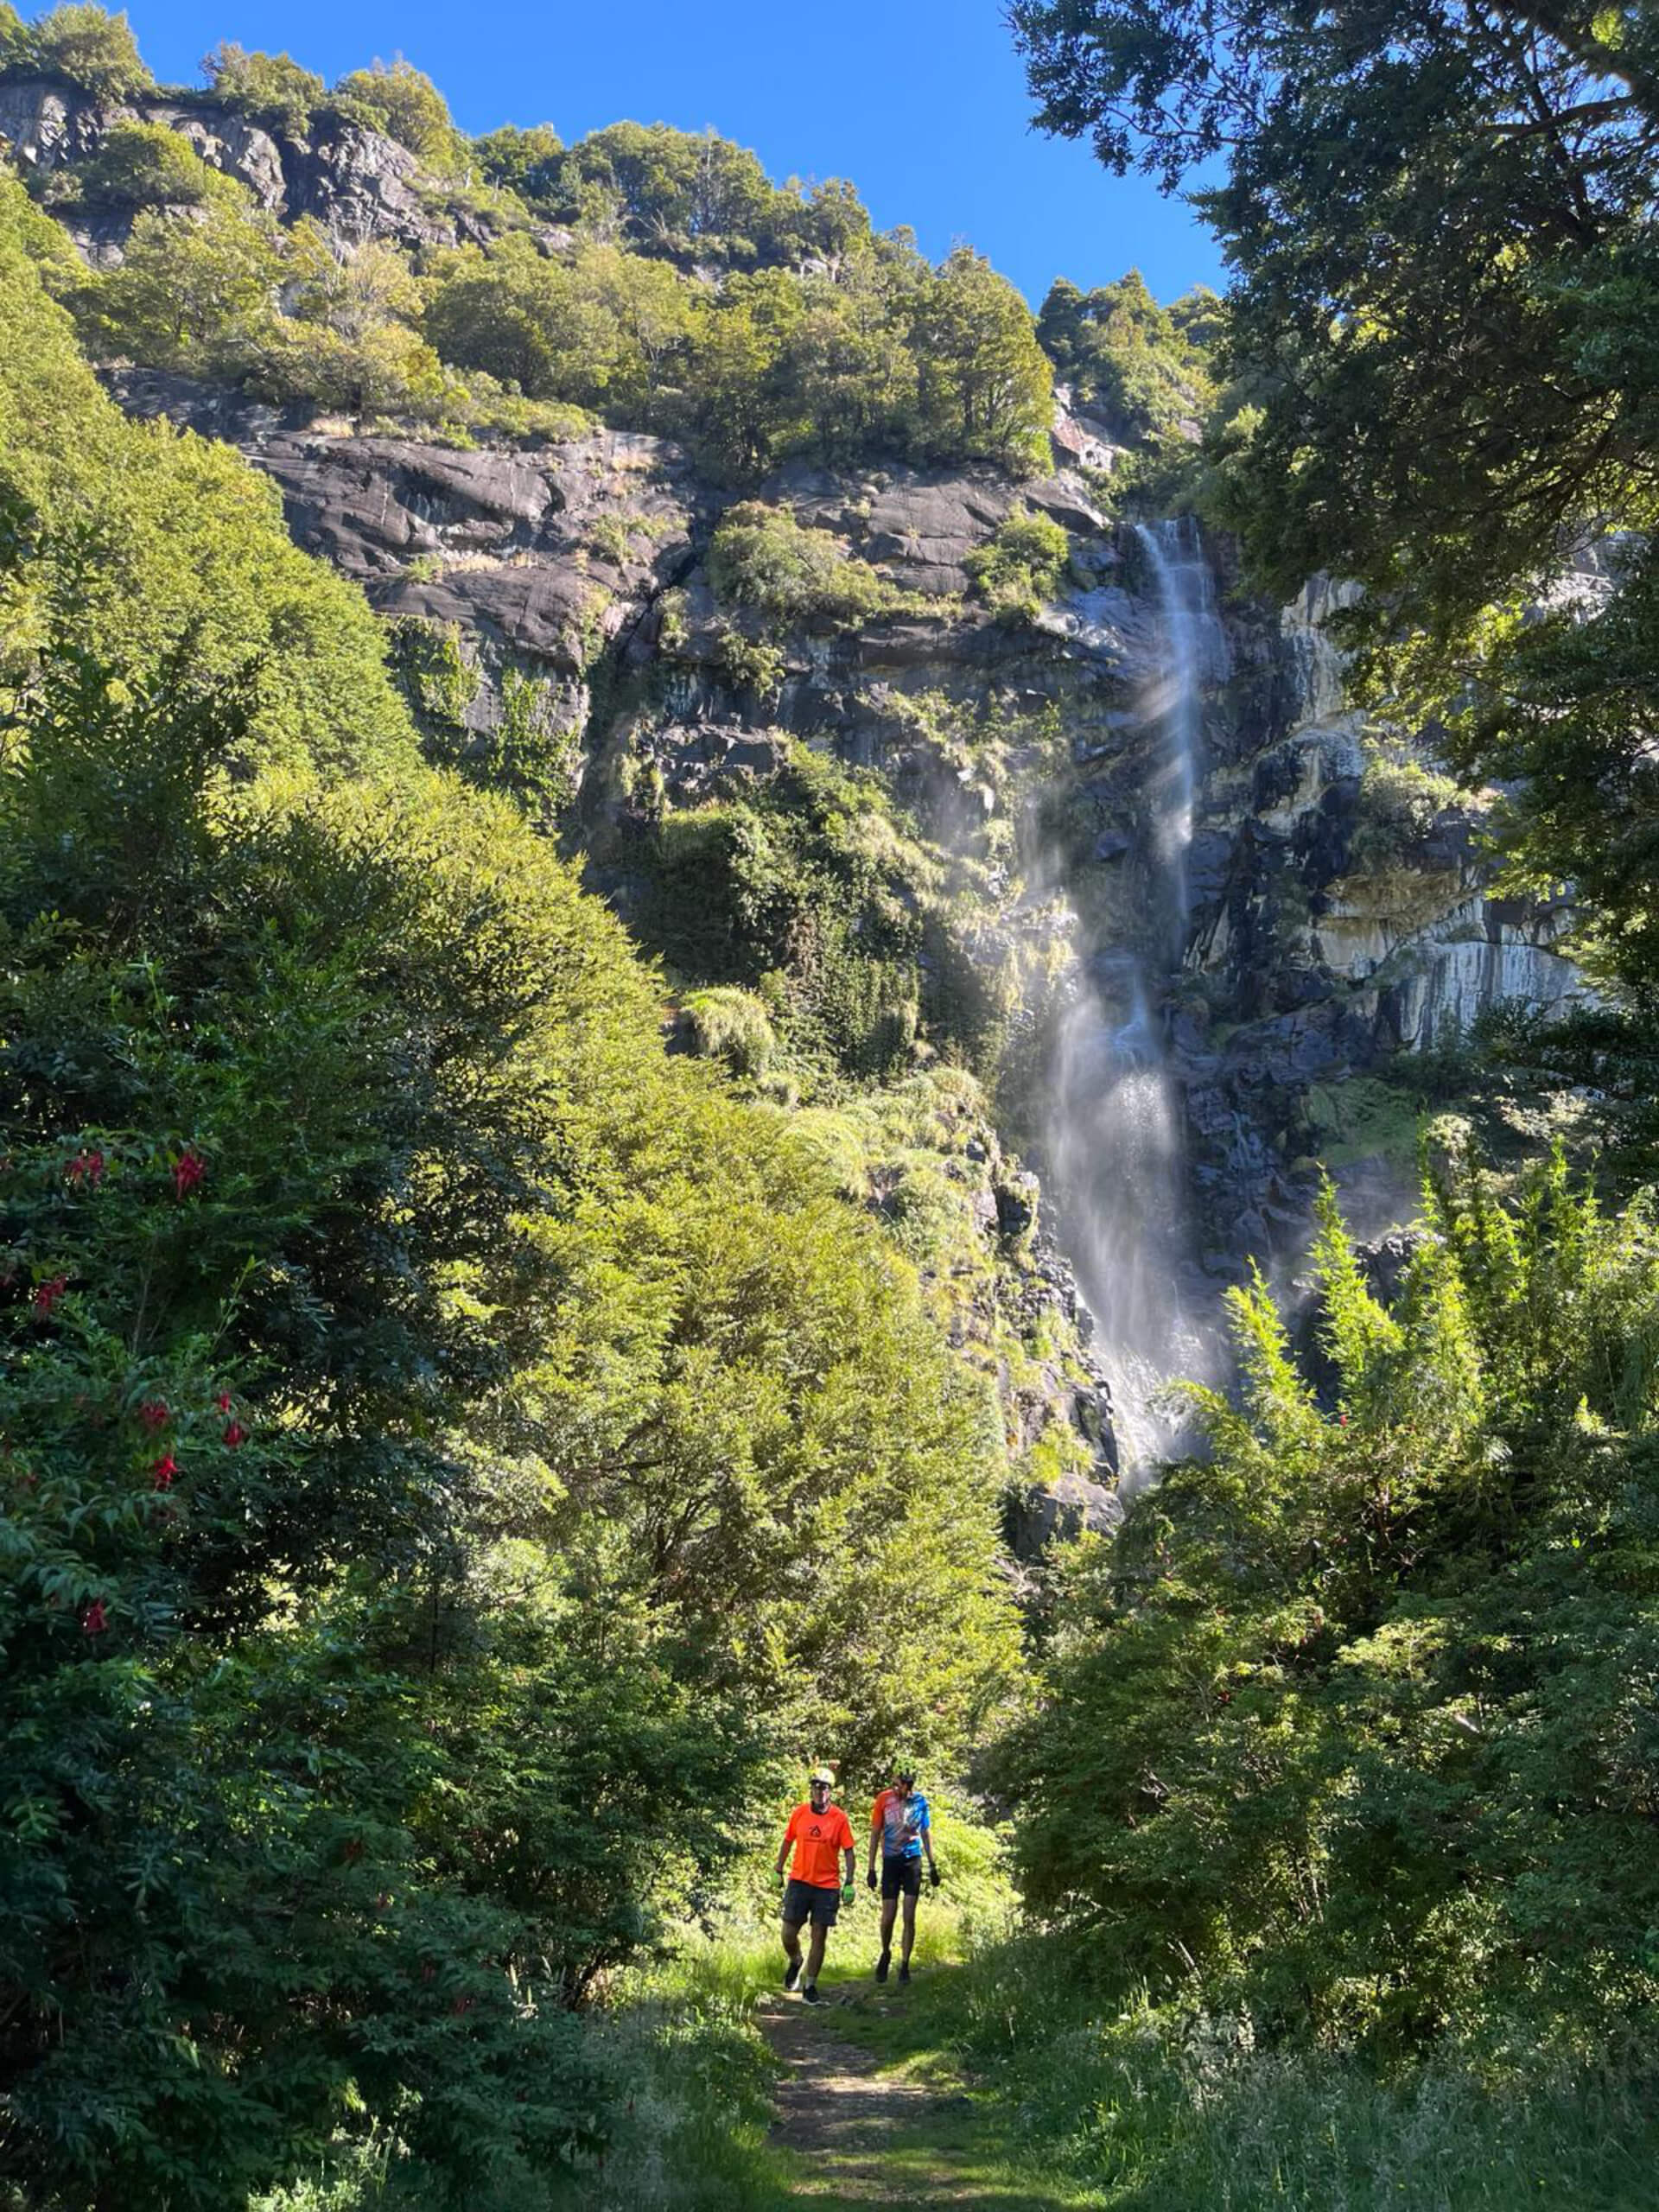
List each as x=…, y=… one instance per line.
x=893, y=2125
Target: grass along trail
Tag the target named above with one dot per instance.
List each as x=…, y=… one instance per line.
x=871, y=2111
x=753, y=2101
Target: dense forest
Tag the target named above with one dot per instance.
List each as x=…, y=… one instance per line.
x=568, y=732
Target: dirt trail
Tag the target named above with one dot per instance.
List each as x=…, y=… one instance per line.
x=860, y=2136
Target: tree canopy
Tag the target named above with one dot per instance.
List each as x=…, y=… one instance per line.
x=1440, y=222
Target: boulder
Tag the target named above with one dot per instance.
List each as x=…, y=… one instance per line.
x=1044, y=1514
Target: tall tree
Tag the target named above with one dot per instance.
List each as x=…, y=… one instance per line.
x=1447, y=281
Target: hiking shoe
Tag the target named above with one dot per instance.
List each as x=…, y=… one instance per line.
x=811, y=1993
x=904, y=1974
x=881, y=1966
x=792, y=1974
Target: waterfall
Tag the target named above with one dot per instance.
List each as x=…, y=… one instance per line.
x=1114, y=1131
x=1192, y=649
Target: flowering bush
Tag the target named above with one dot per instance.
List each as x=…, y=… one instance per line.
x=246, y=1640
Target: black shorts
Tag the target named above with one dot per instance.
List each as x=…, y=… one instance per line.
x=806, y=1901
x=901, y=1877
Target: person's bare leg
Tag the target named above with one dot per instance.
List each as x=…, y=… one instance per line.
x=910, y=1928
x=793, y=1942
x=815, y=1952
x=889, y=1908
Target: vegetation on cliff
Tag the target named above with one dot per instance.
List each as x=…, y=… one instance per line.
x=657, y=278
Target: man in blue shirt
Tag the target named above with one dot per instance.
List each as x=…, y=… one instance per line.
x=899, y=1822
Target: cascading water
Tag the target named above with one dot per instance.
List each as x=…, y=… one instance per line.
x=1115, y=1118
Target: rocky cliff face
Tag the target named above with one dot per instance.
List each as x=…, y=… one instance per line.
x=562, y=629
x=1338, y=918
x=359, y=184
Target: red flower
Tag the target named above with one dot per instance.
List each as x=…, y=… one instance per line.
x=49, y=1293
x=189, y=1172
x=235, y=1435
x=93, y=1620
x=85, y=1167
x=163, y=1471
x=1342, y=1421
x=223, y=1402
x=154, y=1413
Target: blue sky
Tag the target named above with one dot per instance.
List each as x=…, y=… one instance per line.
x=921, y=104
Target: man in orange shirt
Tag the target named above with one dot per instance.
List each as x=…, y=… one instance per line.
x=818, y=1830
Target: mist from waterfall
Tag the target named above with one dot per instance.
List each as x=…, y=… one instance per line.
x=1115, y=1121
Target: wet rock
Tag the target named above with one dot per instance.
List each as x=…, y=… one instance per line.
x=1385, y=1261
x=1016, y=1205
x=1045, y=1514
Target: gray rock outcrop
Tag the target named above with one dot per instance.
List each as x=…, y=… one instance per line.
x=356, y=183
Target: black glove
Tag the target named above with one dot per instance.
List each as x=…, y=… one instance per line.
x=870, y=1877
x=933, y=1875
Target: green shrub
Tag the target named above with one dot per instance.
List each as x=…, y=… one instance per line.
x=984, y=389
x=347, y=341
x=1400, y=796
x=595, y=329
x=730, y=1024
x=528, y=162
x=179, y=533
x=400, y=101
x=194, y=292
x=148, y=165
x=761, y=557
x=1142, y=366
x=751, y=665
x=1020, y=566
x=612, y=536
x=438, y=680
x=82, y=44
x=478, y=403
x=674, y=190
x=272, y=88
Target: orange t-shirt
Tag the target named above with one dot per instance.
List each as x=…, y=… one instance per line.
x=817, y=1837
